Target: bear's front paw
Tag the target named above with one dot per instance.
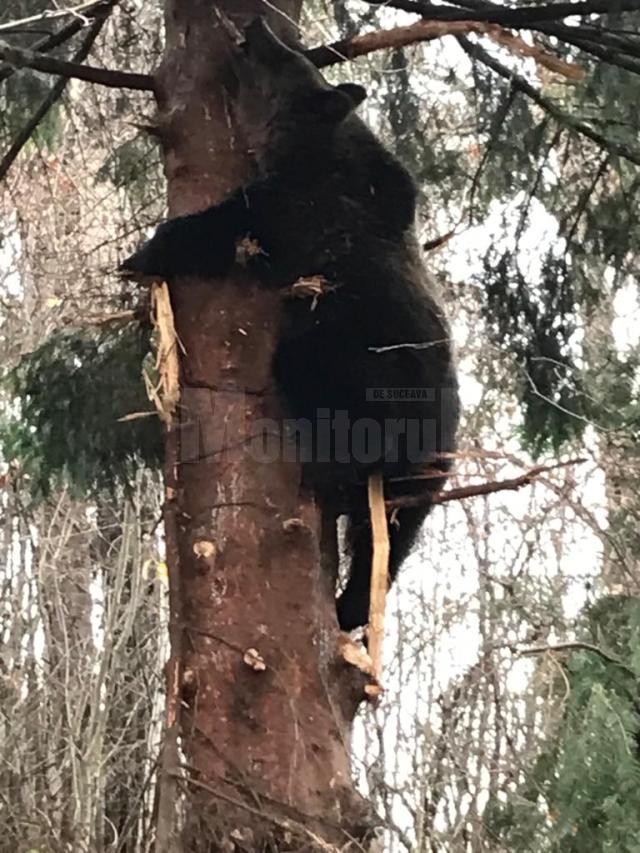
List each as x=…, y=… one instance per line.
x=154, y=259
x=147, y=262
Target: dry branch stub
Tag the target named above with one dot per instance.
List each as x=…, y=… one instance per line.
x=355, y=654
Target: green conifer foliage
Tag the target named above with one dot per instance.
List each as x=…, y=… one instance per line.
x=69, y=397
x=583, y=791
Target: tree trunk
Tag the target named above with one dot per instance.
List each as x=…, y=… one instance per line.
x=262, y=700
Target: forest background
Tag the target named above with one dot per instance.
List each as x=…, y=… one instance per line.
x=510, y=720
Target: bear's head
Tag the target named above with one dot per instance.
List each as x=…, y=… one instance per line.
x=284, y=97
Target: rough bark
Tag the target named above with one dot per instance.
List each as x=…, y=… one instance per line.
x=266, y=747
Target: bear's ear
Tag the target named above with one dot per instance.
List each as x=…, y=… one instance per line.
x=336, y=104
x=355, y=92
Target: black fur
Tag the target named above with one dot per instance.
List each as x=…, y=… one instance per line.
x=329, y=200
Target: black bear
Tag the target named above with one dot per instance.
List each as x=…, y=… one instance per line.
x=372, y=352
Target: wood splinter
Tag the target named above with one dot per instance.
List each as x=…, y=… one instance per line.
x=313, y=286
x=379, y=580
x=166, y=393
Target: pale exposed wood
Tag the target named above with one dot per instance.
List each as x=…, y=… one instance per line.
x=167, y=393
x=355, y=654
x=379, y=572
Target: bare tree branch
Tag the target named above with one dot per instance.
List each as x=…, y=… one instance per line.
x=422, y=31
x=510, y=485
x=21, y=58
x=351, y=48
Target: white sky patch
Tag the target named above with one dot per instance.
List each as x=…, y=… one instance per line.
x=471, y=391
x=539, y=235
x=626, y=323
x=10, y=251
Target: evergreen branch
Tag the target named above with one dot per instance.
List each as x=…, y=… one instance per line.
x=474, y=51
x=21, y=58
x=497, y=123
x=601, y=51
x=590, y=35
x=54, y=95
x=583, y=202
x=525, y=18
x=586, y=37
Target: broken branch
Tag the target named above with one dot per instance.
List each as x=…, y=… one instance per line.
x=424, y=30
x=511, y=484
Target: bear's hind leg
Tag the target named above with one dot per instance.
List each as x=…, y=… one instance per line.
x=353, y=603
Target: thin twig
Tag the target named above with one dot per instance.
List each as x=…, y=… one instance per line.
x=48, y=16
x=127, y=316
x=576, y=646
